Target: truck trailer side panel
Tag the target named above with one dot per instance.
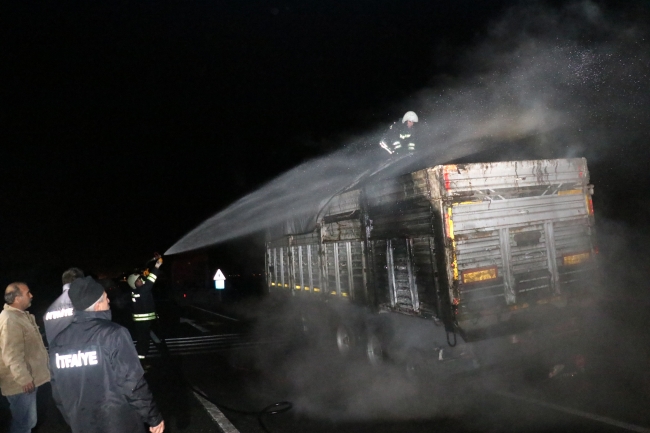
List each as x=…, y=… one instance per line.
x=469, y=246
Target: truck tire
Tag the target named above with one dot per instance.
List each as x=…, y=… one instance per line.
x=345, y=340
x=375, y=353
x=377, y=335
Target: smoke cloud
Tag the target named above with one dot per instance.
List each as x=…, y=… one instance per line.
x=545, y=83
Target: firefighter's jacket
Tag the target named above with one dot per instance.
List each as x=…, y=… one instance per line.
x=400, y=139
x=97, y=381
x=23, y=357
x=144, y=308
x=58, y=316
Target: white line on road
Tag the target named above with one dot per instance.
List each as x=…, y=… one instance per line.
x=194, y=324
x=216, y=314
x=591, y=416
x=154, y=337
x=217, y=416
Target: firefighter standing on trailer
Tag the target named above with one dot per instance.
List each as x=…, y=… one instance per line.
x=400, y=139
x=144, y=308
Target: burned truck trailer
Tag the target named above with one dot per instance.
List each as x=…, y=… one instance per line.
x=461, y=261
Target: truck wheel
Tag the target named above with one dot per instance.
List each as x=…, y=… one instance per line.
x=344, y=339
x=374, y=350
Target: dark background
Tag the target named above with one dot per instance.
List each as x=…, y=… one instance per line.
x=126, y=124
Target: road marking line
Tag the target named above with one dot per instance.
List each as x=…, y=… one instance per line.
x=217, y=416
x=154, y=337
x=591, y=416
x=216, y=314
x=194, y=324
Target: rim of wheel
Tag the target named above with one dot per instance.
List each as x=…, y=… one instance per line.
x=343, y=340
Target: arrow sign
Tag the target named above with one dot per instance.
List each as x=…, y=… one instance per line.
x=219, y=280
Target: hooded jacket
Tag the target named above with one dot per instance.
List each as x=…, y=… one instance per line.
x=23, y=358
x=97, y=381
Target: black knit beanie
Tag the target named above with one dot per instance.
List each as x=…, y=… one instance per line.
x=84, y=292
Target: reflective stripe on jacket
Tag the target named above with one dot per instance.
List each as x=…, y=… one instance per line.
x=144, y=307
x=144, y=317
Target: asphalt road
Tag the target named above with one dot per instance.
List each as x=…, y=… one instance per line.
x=331, y=394
x=340, y=397
x=243, y=368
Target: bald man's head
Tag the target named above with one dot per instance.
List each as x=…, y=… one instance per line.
x=18, y=296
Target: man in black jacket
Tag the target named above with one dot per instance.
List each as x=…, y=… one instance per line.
x=59, y=315
x=97, y=381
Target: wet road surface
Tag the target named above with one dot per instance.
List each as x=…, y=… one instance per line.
x=243, y=369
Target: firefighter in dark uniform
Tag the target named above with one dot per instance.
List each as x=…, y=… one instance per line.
x=98, y=383
x=400, y=138
x=59, y=315
x=144, y=308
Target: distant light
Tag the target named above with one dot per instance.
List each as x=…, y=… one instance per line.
x=184, y=295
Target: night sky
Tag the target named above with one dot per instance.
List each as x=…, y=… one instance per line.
x=126, y=124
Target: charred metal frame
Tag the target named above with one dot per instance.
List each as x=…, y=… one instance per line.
x=503, y=224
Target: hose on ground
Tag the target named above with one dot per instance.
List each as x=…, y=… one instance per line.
x=272, y=409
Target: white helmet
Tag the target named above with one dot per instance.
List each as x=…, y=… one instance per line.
x=410, y=116
x=132, y=279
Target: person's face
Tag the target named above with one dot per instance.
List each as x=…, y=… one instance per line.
x=409, y=124
x=24, y=300
x=103, y=305
x=139, y=282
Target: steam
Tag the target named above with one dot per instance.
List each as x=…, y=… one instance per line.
x=546, y=83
